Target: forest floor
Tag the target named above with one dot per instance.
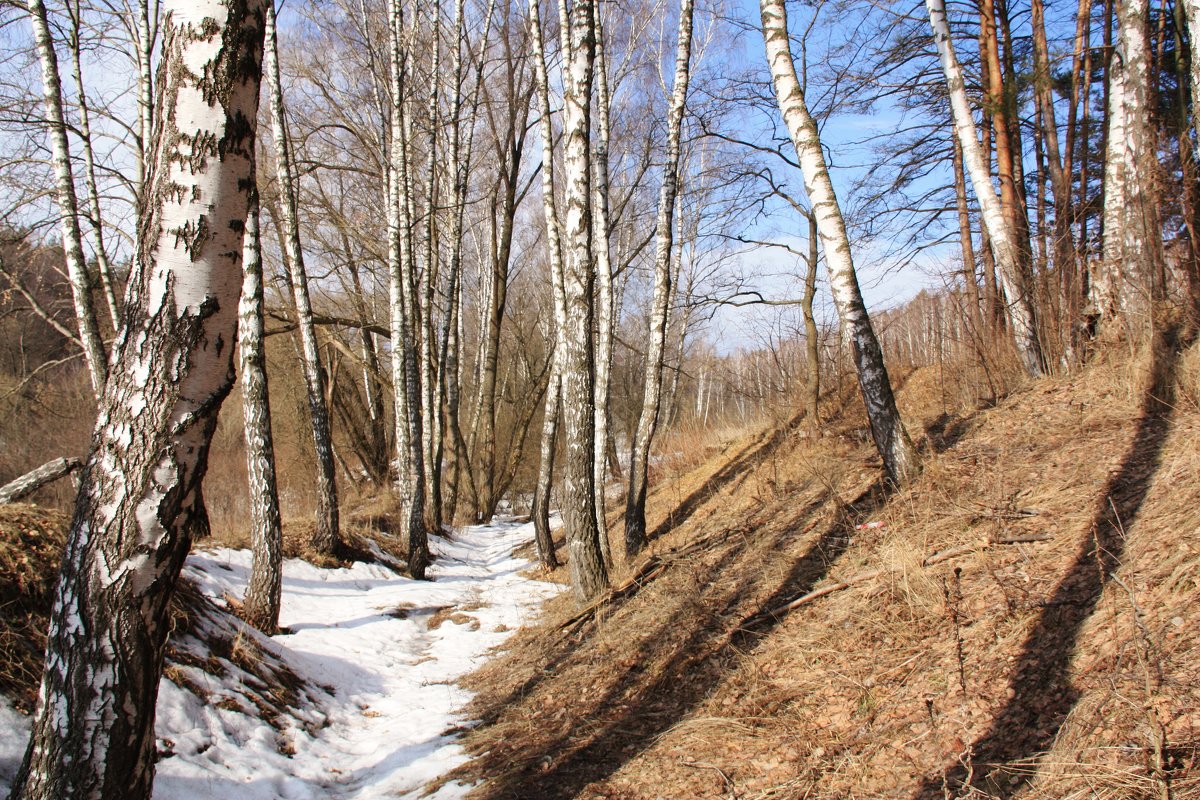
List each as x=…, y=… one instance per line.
x=1023, y=621
x=357, y=699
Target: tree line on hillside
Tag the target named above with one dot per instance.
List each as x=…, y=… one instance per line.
x=400, y=175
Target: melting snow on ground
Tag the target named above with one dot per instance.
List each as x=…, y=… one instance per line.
x=366, y=633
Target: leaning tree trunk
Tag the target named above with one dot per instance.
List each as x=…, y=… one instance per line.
x=1000, y=232
x=325, y=537
x=139, y=500
x=68, y=206
x=639, y=462
x=576, y=360
x=261, y=605
x=900, y=458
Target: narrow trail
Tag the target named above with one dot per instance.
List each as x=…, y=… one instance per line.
x=389, y=648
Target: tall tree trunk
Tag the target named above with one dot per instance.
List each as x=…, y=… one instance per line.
x=964, y=238
x=541, y=497
x=325, y=538
x=1004, y=238
x=89, y=164
x=812, y=343
x=405, y=368
x=1130, y=277
x=900, y=458
x=261, y=606
x=605, y=307
x=139, y=499
x=68, y=207
x=589, y=576
x=639, y=464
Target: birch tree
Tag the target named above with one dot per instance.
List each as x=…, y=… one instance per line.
x=589, y=575
x=261, y=605
x=541, y=497
x=1004, y=243
x=1132, y=273
x=639, y=464
x=405, y=368
x=68, y=206
x=325, y=537
x=139, y=499
x=901, y=460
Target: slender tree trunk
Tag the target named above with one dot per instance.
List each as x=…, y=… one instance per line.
x=812, y=353
x=405, y=373
x=964, y=237
x=261, y=606
x=639, y=465
x=139, y=500
x=1004, y=240
x=89, y=163
x=605, y=308
x=589, y=576
x=542, y=490
x=901, y=460
x=326, y=536
x=72, y=242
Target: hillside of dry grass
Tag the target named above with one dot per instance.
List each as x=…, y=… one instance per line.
x=1026, y=628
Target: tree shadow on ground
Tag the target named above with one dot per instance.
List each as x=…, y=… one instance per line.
x=742, y=464
x=698, y=640
x=999, y=761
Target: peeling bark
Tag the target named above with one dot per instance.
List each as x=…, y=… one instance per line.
x=139, y=499
x=261, y=605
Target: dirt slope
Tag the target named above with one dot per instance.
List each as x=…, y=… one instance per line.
x=1067, y=665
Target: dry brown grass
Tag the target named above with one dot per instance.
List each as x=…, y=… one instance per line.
x=1072, y=681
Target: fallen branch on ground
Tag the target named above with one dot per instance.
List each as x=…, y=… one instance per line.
x=30, y=482
x=863, y=577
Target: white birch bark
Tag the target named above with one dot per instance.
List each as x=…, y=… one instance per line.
x=1003, y=237
x=72, y=241
x=639, y=465
x=431, y=413
x=89, y=163
x=605, y=309
x=1132, y=270
x=139, y=500
x=576, y=359
x=405, y=367
x=261, y=605
x=541, y=497
x=326, y=535
x=900, y=458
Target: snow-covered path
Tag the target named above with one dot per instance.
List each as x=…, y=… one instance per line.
x=390, y=648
